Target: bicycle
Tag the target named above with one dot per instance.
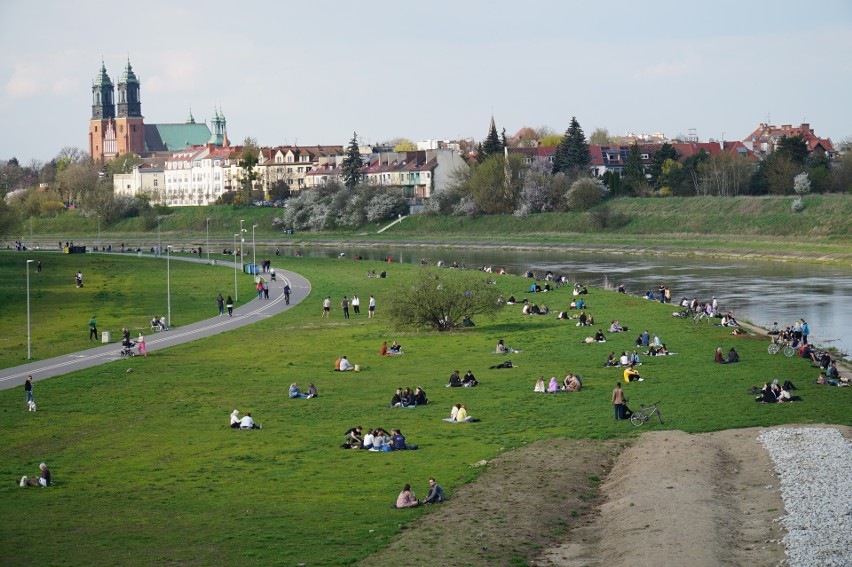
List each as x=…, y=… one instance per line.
x=701, y=316
x=775, y=348
x=643, y=415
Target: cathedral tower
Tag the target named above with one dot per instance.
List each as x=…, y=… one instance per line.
x=101, y=125
x=129, y=124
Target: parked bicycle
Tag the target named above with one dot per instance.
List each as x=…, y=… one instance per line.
x=775, y=348
x=646, y=413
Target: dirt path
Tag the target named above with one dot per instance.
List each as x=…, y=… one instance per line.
x=671, y=499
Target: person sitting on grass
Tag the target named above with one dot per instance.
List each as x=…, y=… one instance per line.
x=826, y=381
x=296, y=393
x=540, y=387
x=599, y=337
x=767, y=395
x=624, y=360
x=398, y=441
x=571, y=383
x=502, y=348
x=344, y=365
x=396, y=401
x=553, y=386
x=616, y=327
x=352, y=437
x=420, y=397
x=580, y=304
x=584, y=319
x=43, y=479
x=719, y=358
x=455, y=380
x=784, y=395
x=632, y=375
x=461, y=415
x=248, y=423
x=235, y=419
x=384, y=350
x=610, y=360
x=733, y=356
x=406, y=498
x=380, y=440
x=469, y=380
x=395, y=348
x=367, y=442
x=435, y=494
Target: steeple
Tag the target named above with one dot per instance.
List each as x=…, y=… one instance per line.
x=219, y=135
x=103, y=106
x=190, y=119
x=129, y=104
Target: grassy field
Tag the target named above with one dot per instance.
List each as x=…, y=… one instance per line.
x=147, y=471
x=821, y=231
x=120, y=289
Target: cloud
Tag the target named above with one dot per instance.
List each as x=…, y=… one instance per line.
x=22, y=83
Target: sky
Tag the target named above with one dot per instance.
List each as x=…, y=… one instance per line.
x=315, y=73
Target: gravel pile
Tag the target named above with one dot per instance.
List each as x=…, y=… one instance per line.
x=815, y=468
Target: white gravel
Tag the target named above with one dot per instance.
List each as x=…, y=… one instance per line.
x=815, y=469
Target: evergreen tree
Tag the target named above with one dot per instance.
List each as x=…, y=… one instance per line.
x=352, y=163
x=634, y=171
x=666, y=151
x=572, y=154
x=492, y=145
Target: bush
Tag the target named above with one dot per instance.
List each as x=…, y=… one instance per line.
x=585, y=193
x=798, y=205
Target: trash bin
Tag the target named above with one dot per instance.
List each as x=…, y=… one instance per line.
x=213, y=262
x=105, y=337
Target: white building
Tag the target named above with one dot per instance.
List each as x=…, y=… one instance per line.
x=147, y=181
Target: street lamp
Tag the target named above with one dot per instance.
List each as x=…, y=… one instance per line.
x=208, y=240
x=29, y=340
x=159, y=243
x=242, y=241
x=253, y=255
x=236, y=289
x=168, y=287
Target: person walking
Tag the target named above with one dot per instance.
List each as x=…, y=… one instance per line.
x=345, y=305
x=287, y=294
x=260, y=290
x=93, y=328
x=372, y=309
x=618, y=401
x=265, y=289
x=326, y=306
x=38, y=267
x=220, y=303
x=229, y=303
x=28, y=388
x=141, y=344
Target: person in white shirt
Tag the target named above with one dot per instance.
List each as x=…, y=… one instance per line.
x=624, y=360
x=248, y=423
x=372, y=308
x=345, y=364
x=235, y=419
x=356, y=305
x=368, y=440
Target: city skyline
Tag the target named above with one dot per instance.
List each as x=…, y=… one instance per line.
x=298, y=75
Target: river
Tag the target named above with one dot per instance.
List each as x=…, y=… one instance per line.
x=761, y=292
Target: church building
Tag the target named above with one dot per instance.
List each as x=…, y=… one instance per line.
x=114, y=131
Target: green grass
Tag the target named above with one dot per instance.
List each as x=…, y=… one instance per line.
x=147, y=471
x=120, y=289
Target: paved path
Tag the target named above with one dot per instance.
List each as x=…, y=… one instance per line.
x=251, y=312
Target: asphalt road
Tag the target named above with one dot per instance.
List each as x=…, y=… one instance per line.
x=251, y=312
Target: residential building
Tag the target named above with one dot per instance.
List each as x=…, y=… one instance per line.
x=142, y=181
x=765, y=137
x=291, y=164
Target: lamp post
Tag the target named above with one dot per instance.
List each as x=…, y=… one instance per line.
x=242, y=241
x=208, y=240
x=99, y=230
x=29, y=340
x=168, y=286
x=253, y=255
x=159, y=243
x=236, y=289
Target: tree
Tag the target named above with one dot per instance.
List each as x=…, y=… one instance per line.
x=585, y=193
x=549, y=140
x=666, y=151
x=793, y=148
x=404, y=145
x=352, y=163
x=841, y=174
x=572, y=154
x=634, y=171
x=76, y=180
x=123, y=163
x=600, y=137
x=247, y=162
x=442, y=299
x=779, y=171
x=279, y=190
x=801, y=184
x=492, y=144
x=725, y=175
x=495, y=184
x=535, y=191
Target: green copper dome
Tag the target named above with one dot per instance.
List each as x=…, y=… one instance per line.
x=128, y=76
x=103, y=79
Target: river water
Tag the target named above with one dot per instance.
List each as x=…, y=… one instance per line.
x=761, y=292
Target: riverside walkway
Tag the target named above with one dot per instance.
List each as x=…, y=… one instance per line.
x=251, y=312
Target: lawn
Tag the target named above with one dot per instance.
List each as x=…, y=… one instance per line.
x=147, y=471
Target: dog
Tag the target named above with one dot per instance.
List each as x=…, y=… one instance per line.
x=31, y=405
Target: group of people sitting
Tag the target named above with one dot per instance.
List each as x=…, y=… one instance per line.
x=376, y=439
x=570, y=383
x=458, y=413
x=598, y=338
x=405, y=398
x=42, y=480
x=407, y=499
x=830, y=377
x=386, y=350
x=626, y=359
x=295, y=392
x=535, y=309
x=468, y=381
x=583, y=319
x=776, y=393
x=342, y=364
x=158, y=324
x=245, y=422
x=732, y=357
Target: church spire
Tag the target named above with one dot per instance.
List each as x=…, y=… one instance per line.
x=103, y=91
x=129, y=104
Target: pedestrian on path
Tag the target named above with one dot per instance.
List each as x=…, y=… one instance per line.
x=230, y=304
x=287, y=294
x=220, y=303
x=28, y=388
x=265, y=289
x=38, y=267
x=93, y=328
x=141, y=344
x=260, y=290
x=326, y=306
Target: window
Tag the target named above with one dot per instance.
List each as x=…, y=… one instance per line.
x=643, y=156
x=289, y=158
x=155, y=182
